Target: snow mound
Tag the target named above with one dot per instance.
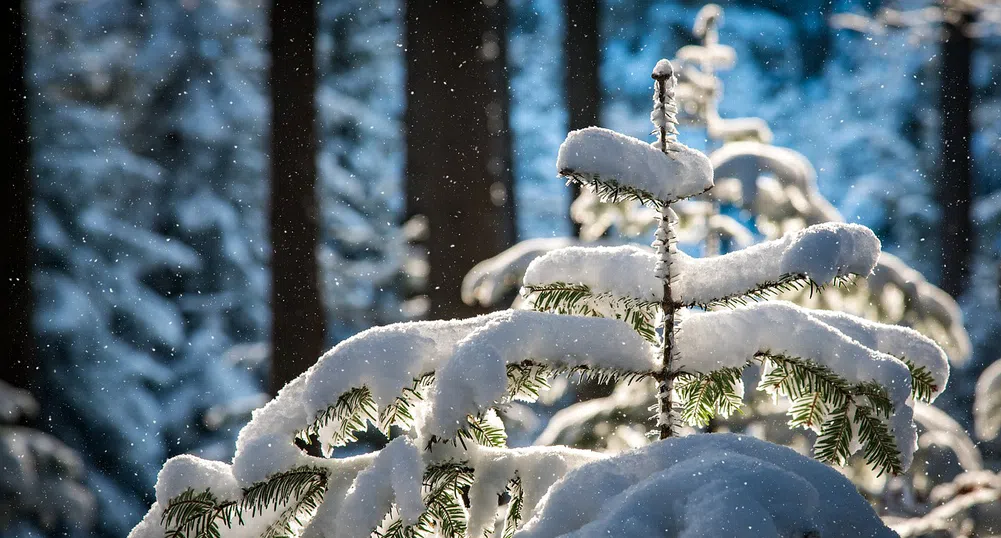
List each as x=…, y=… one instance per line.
x=602, y=155
x=705, y=485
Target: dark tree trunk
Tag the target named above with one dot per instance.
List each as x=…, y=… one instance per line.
x=954, y=188
x=297, y=330
x=458, y=164
x=20, y=365
x=581, y=81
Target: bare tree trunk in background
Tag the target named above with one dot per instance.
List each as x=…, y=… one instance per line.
x=20, y=365
x=954, y=188
x=581, y=77
x=458, y=163
x=297, y=330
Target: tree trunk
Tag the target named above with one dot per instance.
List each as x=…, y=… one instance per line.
x=581, y=78
x=297, y=331
x=20, y=366
x=458, y=164
x=954, y=188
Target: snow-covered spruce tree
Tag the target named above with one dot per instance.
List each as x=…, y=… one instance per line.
x=446, y=471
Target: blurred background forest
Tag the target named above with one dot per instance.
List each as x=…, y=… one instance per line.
x=205, y=196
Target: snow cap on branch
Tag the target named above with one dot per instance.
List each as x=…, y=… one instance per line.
x=784, y=329
x=821, y=253
x=596, y=155
x=393, y=479
x=900, y=342
x=476, y=375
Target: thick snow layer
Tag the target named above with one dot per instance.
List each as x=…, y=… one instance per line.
x=730, y=338
x=185, y=472
x=264, y=446
x=622, y=271
x=538, y=468
x=386, y=359
x=708, y=341
x=394, y=478
x=612, y=157
x=476, y=377
x=820, y=252
x=701, y=486
x=900, y=342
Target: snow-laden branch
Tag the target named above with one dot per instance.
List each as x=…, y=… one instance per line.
x=476, y=376
x=705, y=485
x=748, y=161
x=987, y=411
x=487, y=282
x=710, y=341
x=604, y=158
x=819, y=253
x=900, y=342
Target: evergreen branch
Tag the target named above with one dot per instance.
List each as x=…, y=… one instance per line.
x=580, y=300
x=923, y=385
x=486, y=432
x=443, y=487
x=794, y=378
x=876, y=395
x=514, y=510
x=197, y=515
x=808, y=411
x=610, y=190
x=349, y=414
x=298, y=483
x=400, y=412
x=790, y=282
x=306, y=503
x=702, y=396
x=527, y=379
x=878, y=445
x=834, y=442
x=817, y=392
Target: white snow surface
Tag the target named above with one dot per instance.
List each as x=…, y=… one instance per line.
x=900, y=342
x=613, y=157
x=709, y=341
x=538, y=468
x=184, y=472
x=475, y=377
x=820, y=252
x=384, y=359
x=705, y=486
x=394, y=478
x=622, y=271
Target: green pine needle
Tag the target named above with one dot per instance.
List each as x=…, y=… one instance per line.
x=580, y=300
x=610, y=190
x=790, y=282
x=923, y=385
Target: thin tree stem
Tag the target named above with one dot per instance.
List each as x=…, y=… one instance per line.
x=664, y=104
x=665, y=380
